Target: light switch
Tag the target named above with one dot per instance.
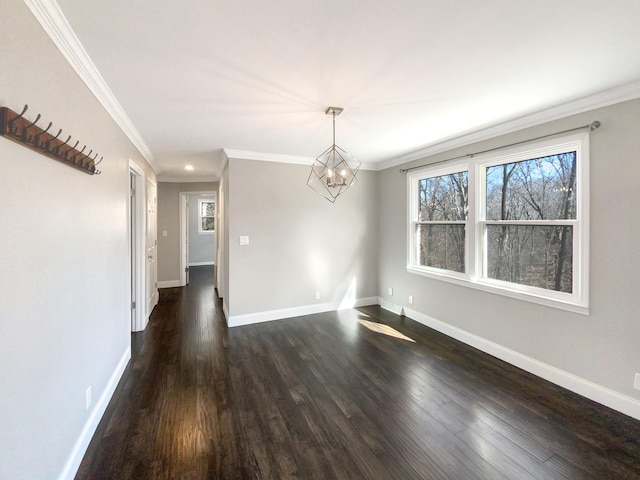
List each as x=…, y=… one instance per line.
x=244, y=240
x=164, y=233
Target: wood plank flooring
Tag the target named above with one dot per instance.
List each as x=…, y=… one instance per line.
x=336, y=396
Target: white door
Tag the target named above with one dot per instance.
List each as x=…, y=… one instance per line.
x=133, y=225
x=152, y=247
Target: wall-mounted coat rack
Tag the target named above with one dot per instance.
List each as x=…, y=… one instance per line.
x=17, y=128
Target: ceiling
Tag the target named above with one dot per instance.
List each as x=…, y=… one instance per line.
x=196, y=77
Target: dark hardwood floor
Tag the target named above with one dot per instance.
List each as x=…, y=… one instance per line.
x=336, y=396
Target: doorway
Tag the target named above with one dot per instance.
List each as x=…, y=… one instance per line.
x=197, y=231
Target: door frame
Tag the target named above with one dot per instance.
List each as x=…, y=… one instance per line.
x=151, y=273
x=137, y=244
x=183, y=230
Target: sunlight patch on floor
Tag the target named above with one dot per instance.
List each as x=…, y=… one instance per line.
x=384, y=329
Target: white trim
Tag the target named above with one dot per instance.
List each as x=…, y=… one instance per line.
x=183, y=218
x=475, y=275
x=202, y=179
x=141, y=319
x=502, y=289
x=53, y=21
x=279, y=158
x=82, y=443
x=270, y=315
x=584, y=104
x=603, y=395
x=225, y=310
x=392, y=307
x=151, y=300
x=200, y=264
x=170, y=284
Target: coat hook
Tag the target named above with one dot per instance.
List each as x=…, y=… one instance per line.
x=58, y=149
x=49, y=142
x=25, y=130
x=39, y=135
x=101, y=158
x=81, y=161
x=12, y=128
x=66, y=154
x=73, y=160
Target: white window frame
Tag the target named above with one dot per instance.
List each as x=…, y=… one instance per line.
x=200, y=216
x=475, y=243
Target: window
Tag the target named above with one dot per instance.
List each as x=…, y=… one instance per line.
x=207, y=216
x=514, y=223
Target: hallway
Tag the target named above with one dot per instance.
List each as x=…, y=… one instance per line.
x=351, y=395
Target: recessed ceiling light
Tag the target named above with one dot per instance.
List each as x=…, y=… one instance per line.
x=188, y=167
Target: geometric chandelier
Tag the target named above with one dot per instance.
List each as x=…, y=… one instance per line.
x=334, y=171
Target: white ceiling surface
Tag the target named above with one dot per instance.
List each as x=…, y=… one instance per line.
x=196, y=77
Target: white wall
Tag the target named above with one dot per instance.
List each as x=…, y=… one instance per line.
x=299, y=242
x=64, y=270
x=599, y=353
x=202, y=245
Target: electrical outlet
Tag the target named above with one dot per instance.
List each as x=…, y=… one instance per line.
x=87, y=398
x=410, y=299
x=636, y=381
x=317, y=294
x=390, y=291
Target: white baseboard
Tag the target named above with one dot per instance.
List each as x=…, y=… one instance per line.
x=82, y=443
x=170, y=284
x=270, y=315
x=603, y=395
x=201, y=264
x=392, y=307
x=225, y=310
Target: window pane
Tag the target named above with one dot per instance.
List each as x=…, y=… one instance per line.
x=207, y=224
x=441, y=246
x=537, y=189
x=444, y=197
x=538, y=256
x=207, y=209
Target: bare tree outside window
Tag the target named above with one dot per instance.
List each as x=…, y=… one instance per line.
x=207, y=216
x=442, y=213
x=532, y=191
x=514, y=222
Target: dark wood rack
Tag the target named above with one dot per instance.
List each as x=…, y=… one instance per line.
x=17, y=128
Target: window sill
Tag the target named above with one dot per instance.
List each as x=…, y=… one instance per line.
x=499, y=290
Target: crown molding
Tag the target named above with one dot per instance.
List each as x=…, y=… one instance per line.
x=602, y=99
x=55, y=24
x=266, y=157
x=276, y=157
x=204, y=178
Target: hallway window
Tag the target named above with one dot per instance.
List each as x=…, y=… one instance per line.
x=207, y=216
